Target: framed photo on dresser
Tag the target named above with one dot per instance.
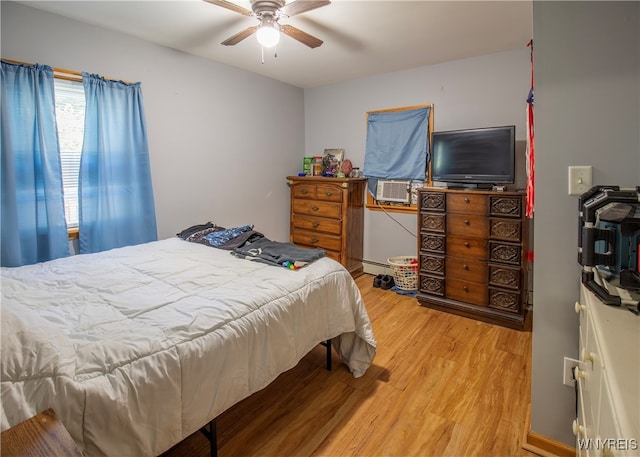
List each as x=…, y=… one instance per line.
x=331, y=161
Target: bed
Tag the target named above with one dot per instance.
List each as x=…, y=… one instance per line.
x=139, y=347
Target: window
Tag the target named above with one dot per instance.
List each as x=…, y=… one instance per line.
x=70, y=108
x=126, y=129
x=398, y=148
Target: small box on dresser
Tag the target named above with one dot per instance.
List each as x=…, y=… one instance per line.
x=471, y=247
x=328, y=213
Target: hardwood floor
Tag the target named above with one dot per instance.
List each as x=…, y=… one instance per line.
x=440, y=385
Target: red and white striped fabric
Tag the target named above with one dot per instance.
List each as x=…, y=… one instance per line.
x=530, y=145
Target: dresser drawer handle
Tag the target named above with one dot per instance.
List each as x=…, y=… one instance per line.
x=315, y=240
x=466, y=200
x=315, y=224
x=578, y=430
x=466, y=244
x=315, y=208
x=465, y=267
x=304, y=191
x=465, y=288
x=328, y=193
x=587, y=356
x=466, y=221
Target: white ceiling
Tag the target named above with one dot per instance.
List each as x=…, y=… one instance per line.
x=361, y=37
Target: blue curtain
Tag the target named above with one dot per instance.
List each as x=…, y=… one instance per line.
x=34, y=228
x=115, y=191
x=397, y=144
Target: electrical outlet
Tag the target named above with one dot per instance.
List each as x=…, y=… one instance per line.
x=579, y=179
x=567, y=373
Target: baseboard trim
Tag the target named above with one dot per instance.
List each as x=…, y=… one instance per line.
x=542, y=445
x=546, y=447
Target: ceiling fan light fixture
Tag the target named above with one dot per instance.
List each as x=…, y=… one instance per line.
x=268, y=13
x=268, y=34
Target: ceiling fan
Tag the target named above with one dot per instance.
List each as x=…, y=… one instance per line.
x=269, y=12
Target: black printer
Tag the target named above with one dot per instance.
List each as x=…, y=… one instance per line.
x=608, y=244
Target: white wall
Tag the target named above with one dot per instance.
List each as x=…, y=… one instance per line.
x=587, y=111
x=477, y=92
x=222, y=140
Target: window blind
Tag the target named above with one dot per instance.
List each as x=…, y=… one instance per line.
x=70, y=109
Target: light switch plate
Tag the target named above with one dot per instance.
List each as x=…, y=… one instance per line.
x=567, y=372
x=579, y=179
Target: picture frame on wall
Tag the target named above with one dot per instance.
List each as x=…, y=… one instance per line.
x=331, y=161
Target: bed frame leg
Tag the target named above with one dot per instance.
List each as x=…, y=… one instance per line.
x=211, y=432
x=327, y=344
x=212, y=437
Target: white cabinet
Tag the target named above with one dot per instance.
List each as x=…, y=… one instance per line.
x=608, y=422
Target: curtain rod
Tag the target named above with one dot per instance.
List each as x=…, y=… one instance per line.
x=61, y=73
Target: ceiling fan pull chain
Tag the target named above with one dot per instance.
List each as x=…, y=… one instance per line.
x=262, y=53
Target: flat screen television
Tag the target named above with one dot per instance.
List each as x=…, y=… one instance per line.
x=481, y=157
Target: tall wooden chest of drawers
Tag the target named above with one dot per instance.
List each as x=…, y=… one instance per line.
x=472, y=254
x=328, y=213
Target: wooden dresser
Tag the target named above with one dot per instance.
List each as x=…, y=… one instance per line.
x=472, y=247
x=328, y=213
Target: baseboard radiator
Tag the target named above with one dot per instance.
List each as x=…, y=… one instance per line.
x=376, y=268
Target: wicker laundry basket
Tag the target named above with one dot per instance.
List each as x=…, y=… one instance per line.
x=405, y=271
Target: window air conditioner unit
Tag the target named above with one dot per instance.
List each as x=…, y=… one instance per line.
x=394, y=191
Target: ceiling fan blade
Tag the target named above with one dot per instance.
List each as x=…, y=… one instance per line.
x=302, y=6
x=238, y=37
x=301, y=36
x=231, y=6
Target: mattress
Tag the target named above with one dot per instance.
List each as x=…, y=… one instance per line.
x=138, y=347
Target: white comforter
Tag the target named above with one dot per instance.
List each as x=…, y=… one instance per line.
x=137, y=348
